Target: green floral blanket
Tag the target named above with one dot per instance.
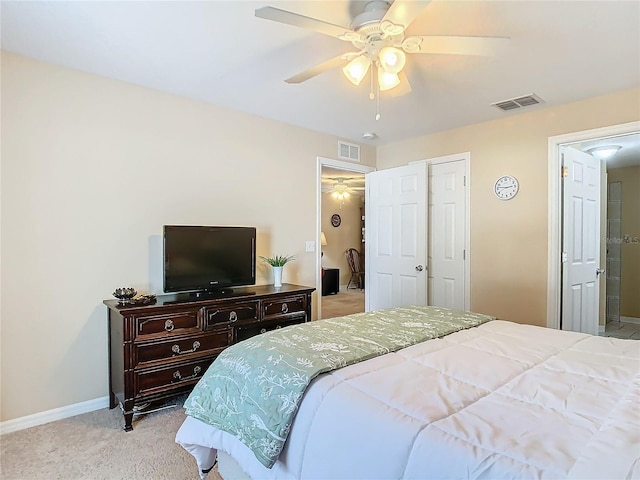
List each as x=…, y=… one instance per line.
x=253, y=389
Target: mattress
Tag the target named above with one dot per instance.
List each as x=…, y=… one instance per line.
x=501, y=400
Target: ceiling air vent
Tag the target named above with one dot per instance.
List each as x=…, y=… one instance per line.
x=349, y=151
x=519, y=102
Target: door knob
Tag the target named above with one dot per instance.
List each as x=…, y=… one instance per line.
x=419, y=268
x=599, y=271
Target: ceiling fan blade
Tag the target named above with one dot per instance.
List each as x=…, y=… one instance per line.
x=403, y=88
x=454, y=45
x=290, y=18
x=318, y=69
x=403, y=12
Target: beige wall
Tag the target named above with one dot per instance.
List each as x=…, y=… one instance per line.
x=91, y=170
x=347, y=235
x=629, y=177
x=509, y=238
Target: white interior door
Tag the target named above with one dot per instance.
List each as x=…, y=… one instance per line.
x=396, y=237
x=581, y=241
x=447, y=223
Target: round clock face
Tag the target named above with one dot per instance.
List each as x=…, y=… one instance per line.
x=336, y=220
x=506, y=187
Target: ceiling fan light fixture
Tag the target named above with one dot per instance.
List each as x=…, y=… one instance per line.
x=340, y=195
x=392, y=59
x=357, y=69
x=387, y=80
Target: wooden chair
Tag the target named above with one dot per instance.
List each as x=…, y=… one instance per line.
x=356, y=267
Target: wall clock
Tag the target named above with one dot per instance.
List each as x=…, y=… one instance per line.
x=506, y=187
x=336, y=220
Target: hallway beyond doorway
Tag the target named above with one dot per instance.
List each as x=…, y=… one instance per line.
x=345, y=302
x=622, y=330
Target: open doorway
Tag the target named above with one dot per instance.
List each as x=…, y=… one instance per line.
x=619, y=312
x=624, y=163
x=341, y=227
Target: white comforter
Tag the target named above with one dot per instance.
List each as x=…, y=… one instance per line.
x=502, y=400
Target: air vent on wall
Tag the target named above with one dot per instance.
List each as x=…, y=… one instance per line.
x=519, y=102
x=349, y=151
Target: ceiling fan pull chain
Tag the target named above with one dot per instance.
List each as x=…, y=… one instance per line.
x=371, y=94
x=377, y=100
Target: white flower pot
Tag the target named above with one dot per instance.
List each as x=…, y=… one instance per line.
x=277, y=276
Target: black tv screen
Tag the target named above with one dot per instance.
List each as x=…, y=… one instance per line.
x=208, y=257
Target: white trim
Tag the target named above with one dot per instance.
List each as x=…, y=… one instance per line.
x=53, y=415
x=554, y=215
x=328, y=162
x=601, y=328
x=634, y=320
x=466, y=156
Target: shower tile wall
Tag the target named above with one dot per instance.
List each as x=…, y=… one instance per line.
x=614, y=238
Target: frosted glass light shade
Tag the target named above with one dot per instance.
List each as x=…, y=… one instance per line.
x=387, y=80
x=357, y=69
x=392, y=59
x=604, y=153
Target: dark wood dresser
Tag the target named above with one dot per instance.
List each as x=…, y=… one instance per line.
x=161, y=350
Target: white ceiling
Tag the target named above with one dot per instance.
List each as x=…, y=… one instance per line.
x=219, y=52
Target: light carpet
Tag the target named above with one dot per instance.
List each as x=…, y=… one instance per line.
x=93, y=446
x=345, y=302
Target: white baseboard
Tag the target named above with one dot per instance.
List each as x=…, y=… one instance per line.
x=53, y=415
x=601, y=328
x=630, y=320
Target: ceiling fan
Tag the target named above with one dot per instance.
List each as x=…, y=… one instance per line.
x=341, y=187
x=378, y=35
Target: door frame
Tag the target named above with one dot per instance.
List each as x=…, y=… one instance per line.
x=555, y=212
x=466, y=157
x=342, y=165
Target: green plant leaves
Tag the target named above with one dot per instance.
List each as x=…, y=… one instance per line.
x=278, y=260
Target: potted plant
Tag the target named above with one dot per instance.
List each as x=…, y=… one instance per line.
x=278, y=262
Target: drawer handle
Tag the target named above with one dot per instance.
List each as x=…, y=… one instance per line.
x=285, y=308
x=263, y=330
x=177, y=376
x=169, y=326
x=176, y=348
x=233, y=316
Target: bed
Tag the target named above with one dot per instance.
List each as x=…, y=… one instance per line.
x=485, y=399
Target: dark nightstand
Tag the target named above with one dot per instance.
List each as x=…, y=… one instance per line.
x=330, y=281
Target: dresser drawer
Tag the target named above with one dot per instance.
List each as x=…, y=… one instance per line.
x=150, y=381
x=201, y=345
x=284, y=307
x=247, y=331
x=180, y=322
x=238, y=312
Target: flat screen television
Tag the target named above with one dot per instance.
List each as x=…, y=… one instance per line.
x=208, y=258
